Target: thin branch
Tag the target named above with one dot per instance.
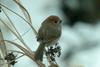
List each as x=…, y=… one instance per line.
x=24, y=10
x=13, y=32
x=17, y=51
x=20, y=38
x=27, y=53
x=14, y=60
x=23, y=54
x=3, y=47
x=22, y=34
x=35, y=32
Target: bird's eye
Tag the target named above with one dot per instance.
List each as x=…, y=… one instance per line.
x=55, y=22
x=58, y=21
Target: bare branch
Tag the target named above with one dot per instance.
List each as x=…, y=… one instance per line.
x=24, y=10
x=19, y=36
x=35, y=32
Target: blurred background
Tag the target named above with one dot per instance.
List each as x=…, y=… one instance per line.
x=80, y=29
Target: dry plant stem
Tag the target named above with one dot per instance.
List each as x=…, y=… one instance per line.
x=17, y=51
x=24, y=10
x=3, y=46
x=21, y=39
x=22, y=34
x=35, y=32
x=27, y=53
x=12, y=31
x=23, y=54
x=16, y=58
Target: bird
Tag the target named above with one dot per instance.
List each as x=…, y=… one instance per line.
x=48, y=34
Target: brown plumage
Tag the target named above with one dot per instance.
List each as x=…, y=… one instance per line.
x=48, y=34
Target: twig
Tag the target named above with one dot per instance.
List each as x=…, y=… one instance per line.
x=35, y=32
x=19, y=36
x=21, y=39
x=3, y=46
x=22, y=34
x=24, y=10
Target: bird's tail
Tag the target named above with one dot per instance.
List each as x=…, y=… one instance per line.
x=39, y=52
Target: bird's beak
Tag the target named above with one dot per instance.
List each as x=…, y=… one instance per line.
x=60, y=21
